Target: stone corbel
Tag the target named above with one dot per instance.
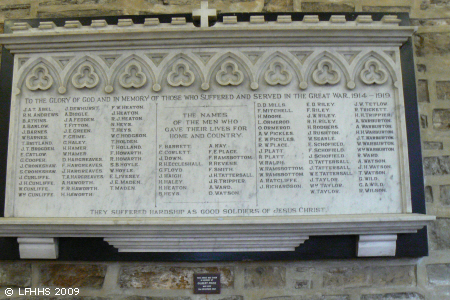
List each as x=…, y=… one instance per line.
x=377, y=245
x=38, y=248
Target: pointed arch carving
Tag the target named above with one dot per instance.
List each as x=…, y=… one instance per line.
x=31, y=64
x=336, y=59
x=123, y=62
x=95, y=63
x=288, y=58
x=232, y=55
x=382, y=58
x=302, y=70
x=192, y=62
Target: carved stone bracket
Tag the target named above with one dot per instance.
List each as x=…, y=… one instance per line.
x=38, y=248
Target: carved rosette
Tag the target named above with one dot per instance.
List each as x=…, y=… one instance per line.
x=85, y=76
x=373, y=73
x=39, y=78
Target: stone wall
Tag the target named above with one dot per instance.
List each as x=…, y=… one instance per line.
x=362, y=279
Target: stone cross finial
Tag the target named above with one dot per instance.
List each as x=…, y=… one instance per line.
x=204, y=13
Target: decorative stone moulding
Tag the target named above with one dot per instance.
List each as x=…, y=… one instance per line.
x=376, y=232
x=229, y=66
x=310, y=31
x=154, y=58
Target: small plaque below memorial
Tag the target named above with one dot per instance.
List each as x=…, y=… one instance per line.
x=207, y=283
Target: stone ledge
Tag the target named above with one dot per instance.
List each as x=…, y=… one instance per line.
x=214, y=234
x=239, y=34
x=386, y=21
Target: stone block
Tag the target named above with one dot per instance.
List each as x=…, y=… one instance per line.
x=305, y=272
x=156, y=298
x=392, y=296
x=422, y=91
x=346, y=277
x=264, y=277
x=161, y=2
x=433, y=146
x=423, y=121
x=436, y=165
x=64, y=298
x=440, y=2
x=74, y=11
x=72, y=275
x=74, y=2
x=434, y=4
x=193, y=2
x=438, y=274
x=386, y=9
x=428, y=194
x=441, y=119
x=333, y=297
x=445, y=194
x=14, y=11
x=170, y=278
x=278, y=6
x=303, y=284
x=430, y=22
x=178, y=2
x=443, y=90
x=335, y=6
x=432, y=43
x=439, y=233
x=15, y=274
x=394, y=276
x=421, y=68
x=425, y=4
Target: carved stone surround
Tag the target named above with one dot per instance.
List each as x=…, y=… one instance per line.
x=153, y=70
x=179, y=55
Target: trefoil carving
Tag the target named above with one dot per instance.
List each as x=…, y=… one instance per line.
x=85, y=77
x=181, y=75
x=373, y=73
x=320, y=67
x=132, y=77
x=277, y=73
x=326, y=73
x=39, y=78
x=229, y=74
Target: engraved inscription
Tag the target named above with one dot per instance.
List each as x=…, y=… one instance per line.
x=142, y=140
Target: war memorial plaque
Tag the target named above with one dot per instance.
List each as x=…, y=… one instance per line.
x=173, y=125
x=222, y=152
